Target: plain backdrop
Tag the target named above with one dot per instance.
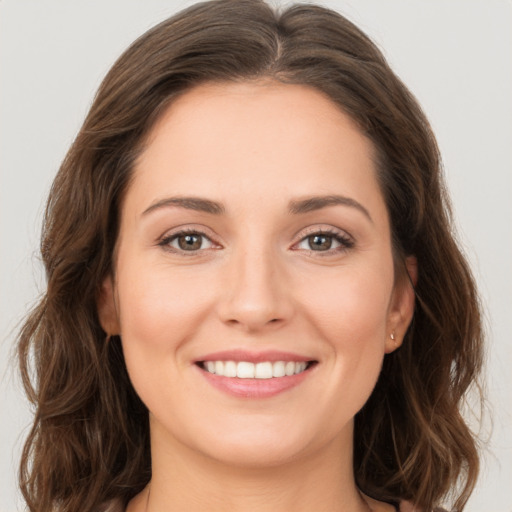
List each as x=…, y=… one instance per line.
x=455, y=56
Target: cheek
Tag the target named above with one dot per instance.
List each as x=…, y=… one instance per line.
x=153, y=297
x=160, y=312
x=160, y=309
x=353, y=305
x=350, y=315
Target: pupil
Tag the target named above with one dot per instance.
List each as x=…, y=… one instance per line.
x=189, y=242
x=320, y=242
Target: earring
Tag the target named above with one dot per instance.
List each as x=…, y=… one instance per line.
x=392, y=336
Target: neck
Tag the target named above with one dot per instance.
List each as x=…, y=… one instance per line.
x=184, y=479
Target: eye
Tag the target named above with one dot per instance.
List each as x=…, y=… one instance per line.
x=324, y=241
x=190, y=241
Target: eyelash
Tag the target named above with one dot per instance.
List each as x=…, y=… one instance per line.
x=345, y=242
x=166, y=241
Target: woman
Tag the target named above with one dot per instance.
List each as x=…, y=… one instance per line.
x=254, y=298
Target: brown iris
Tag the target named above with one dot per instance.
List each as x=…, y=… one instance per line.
x=190, y=242
x=320, y=242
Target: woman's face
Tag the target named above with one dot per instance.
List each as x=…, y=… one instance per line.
x=254, y=244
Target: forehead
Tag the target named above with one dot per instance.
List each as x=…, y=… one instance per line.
x=255, y=140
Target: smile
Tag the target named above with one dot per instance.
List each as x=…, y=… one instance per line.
x=249, y=370
x=246, y=375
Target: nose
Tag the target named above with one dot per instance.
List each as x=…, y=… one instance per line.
x=256, y=293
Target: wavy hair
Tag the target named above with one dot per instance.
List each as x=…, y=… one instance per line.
x=89, y=442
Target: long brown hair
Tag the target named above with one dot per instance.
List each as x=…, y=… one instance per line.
x=90, y=439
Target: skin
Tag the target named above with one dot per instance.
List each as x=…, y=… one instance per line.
x=256, y=283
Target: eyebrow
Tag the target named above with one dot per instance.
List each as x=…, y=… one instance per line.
x=310, y=204
x=295, y=207
x=190, y=203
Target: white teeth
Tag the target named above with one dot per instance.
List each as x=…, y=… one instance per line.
x=263, y=371
x=278, y=369
x=247, y=370
x=219, y=367
x=300, y=367
x=230, y=369
x=289, y=369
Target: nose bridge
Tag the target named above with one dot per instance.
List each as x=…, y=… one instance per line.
x=255, y=289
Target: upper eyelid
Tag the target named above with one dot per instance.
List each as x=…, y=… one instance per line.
x=187, y=229
x=214, y=238
x=324, y=229
x=330, y=230
x=345, y=241
x=205, y=232
x=165, y=241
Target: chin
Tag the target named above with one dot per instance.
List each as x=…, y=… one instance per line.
x=257, y=453
x=260, y=441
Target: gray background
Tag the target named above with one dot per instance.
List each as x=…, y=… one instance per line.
x=455, y=55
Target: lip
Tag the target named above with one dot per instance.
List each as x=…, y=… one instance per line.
x=255, y=388
x=238, y=355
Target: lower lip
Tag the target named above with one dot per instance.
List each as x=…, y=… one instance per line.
x=255, y=388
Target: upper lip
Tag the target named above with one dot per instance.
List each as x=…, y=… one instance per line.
x=253, y=357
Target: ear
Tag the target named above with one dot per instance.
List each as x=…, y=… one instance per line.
x=401, y=308
x=107, y=310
